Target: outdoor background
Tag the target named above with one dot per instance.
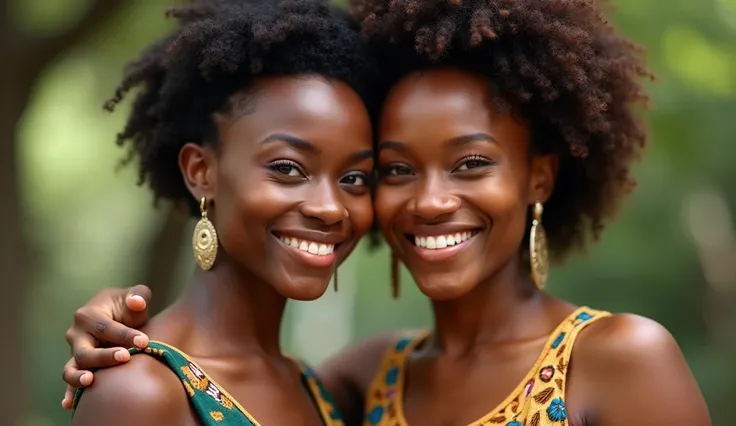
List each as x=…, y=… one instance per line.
x=70, y=224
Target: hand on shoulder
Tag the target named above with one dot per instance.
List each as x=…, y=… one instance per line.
x=143, y=392
x=636, y=374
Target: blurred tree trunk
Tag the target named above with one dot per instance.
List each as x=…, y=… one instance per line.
x=24, y=57
x=163, y=256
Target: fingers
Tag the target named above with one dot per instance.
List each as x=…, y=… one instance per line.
x=138, y=298
x=68, y=401
x=75, y=377
x=97, y=324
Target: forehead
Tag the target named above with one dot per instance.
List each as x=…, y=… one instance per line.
x=310, y=107
x=441, y=104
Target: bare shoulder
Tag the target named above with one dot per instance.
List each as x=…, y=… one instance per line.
x=622, y=336
x=142, y=391
x=632, y=361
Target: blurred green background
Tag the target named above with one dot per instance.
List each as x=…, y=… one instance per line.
x=72, y=224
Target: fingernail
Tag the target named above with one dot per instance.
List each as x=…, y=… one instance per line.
x=138, y=298
x=138, y=342
x=119, y=356
x=86, y=379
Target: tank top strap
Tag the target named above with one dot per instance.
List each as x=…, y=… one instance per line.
x=321, y=398
x=380, y=401
x=213, y=405
x=544, y=393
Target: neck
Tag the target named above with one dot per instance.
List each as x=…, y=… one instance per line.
x=494, y=311
x=233, y=311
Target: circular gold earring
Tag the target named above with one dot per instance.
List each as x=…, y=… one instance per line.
x=538, y=258
x=204, y=240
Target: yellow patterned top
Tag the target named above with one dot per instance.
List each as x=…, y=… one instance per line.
x=539, y=400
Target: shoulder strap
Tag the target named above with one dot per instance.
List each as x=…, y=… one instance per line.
x=545, y=392
x=212, y=404
x=321, y=398
x=388, y=380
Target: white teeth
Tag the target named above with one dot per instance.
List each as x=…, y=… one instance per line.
x=442, y=241
x=311, y=247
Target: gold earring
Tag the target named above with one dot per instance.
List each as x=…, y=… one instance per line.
x=395, y=276
x=204, y=240
x=538, y=259
x=334, y=277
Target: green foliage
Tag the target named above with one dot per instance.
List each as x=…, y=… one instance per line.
x=88, y=224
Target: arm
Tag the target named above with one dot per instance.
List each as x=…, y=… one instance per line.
x=348, y=375
x=143, y=392
x=636, y=374
x=95, y=325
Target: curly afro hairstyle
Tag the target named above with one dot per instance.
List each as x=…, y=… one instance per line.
x=218, y=48
x=572, y=77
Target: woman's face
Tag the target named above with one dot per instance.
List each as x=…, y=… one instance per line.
x=289, y=181
x=457, y=180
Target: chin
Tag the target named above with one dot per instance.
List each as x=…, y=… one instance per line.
x=305, y=289
x=443, y=288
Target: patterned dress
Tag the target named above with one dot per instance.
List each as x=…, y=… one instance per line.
x=213, y=405
x=539, y=400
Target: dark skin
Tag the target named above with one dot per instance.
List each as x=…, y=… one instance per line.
x=451, y=163
x=274, y=174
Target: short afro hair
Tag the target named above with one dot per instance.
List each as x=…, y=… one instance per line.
x=573, y=78
x=218, y=48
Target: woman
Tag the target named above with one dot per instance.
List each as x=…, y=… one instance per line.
x=505, y=119
x=225, y=123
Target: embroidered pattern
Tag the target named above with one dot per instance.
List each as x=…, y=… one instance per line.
x=537, y=401
x=214, y=405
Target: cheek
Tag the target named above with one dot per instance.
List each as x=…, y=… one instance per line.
x=360, y=210
x=387, y=203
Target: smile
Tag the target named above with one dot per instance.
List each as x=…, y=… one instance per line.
x=311, y=247
x=439, y=247
x=316, y=254
x=438, y=242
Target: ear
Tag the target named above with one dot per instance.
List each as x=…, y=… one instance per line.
x=543, y=172
x=198, y=166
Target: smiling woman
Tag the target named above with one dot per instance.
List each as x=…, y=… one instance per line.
x=250, y=113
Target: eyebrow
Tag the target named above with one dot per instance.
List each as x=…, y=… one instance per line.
x=294, y=141
x=361, y=155
x=455, y=142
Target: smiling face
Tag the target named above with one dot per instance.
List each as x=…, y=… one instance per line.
x=288, y=182
x=457, y=180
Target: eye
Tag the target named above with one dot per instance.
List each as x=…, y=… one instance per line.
x=287, y=168
x=397, y=170
x=355, y=179
x=473, y=162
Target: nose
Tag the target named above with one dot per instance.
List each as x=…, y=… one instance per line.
x=324, y=205
x=433, y=200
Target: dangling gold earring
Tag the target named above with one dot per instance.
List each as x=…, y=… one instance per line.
x=395, y=276
x=204, y=240
x=538, y=259
x=334, y=277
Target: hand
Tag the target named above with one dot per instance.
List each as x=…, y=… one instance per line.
x=104, y=321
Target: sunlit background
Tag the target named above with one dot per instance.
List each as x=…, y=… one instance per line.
x=72, y=224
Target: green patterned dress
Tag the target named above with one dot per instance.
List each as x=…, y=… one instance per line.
x=213, y=405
